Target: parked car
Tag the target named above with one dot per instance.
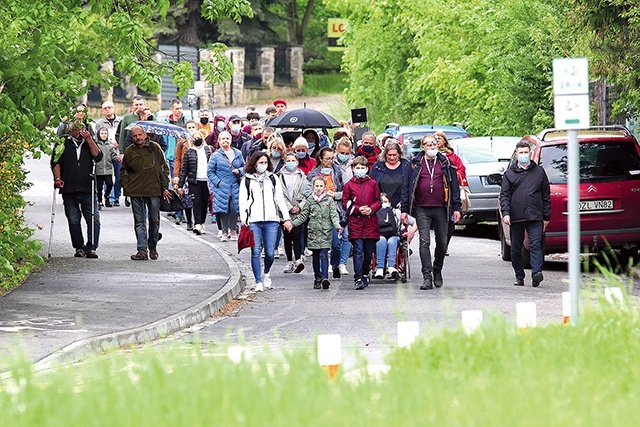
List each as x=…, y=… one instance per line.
x=609, y=190
x=483, y=156
x=410, y=136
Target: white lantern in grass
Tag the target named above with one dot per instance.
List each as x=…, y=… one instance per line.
x=407, y=333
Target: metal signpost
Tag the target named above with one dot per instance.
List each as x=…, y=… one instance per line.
x=571, y=110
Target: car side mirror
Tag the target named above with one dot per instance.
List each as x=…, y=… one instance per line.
x=494, y=179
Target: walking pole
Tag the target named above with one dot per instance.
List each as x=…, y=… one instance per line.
x=53, y=217
x=93, y=204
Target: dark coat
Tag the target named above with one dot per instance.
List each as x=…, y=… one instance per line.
x=378, y=172
x=362, y=192
x=450, y=182
x=189, y=169
x=76, y=174
x=144, y=171
x=525, y=194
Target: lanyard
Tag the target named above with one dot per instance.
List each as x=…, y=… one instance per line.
x=431, y=172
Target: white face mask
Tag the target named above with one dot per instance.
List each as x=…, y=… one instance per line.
x=261, y=168
x=386, y=205
x=235, y=128
x=432, y=152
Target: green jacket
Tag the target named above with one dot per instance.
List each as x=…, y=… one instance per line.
x=323, y=218
x=140, y=174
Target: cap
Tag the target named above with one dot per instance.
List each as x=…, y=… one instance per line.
x=279, y=101
x=235, y=118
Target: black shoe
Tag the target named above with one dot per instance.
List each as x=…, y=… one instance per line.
x=325, y=283
x=116, y=203
x=189, y=226
x=80, y=253
x=365, y=280
x=336, y=273
x=91, y=254
x=107, y=202
x=127, y=202
x=427, y=284
x=519, y=281
x=437, y=278
x=536, y=279
x=159, y=236
x=178, y=220
x=316, y=284
x=359, y=285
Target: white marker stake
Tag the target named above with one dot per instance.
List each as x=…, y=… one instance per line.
x=471, y=320
x=407, y=333
x=566, y=307
x=330, y=354
x=236, y=353
x=526, y=315
x=614, y=295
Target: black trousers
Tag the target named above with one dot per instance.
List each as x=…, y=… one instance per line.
x=200, y=193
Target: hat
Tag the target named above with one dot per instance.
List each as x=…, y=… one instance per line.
x=235, y=118
x=279, y=101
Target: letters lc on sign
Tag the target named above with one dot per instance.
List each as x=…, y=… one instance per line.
x=335, y=30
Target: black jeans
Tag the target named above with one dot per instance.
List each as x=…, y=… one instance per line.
x=200, y=193
x=293, y=243
x=534, y=230
x=104, y=180
x=425, y=218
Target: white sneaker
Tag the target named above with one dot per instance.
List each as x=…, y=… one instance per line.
x=307, y=252
x=393, y=273
x=379, y=273
x=259, y=287
x=266, y=279
x=289, y=267
x=224, y=237
x=281, y=251
x=343, y=269
x=299, y=265
x=219, y=234
x=202, y=229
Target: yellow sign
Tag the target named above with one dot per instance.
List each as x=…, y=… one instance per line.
x=335, y=30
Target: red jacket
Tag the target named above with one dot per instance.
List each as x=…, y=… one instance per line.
x=362, y=192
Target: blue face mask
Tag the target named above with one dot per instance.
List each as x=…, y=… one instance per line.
x=325, y=171
x=360, y=173
x=523, y=159
x=276, y=154
x=301, y=155
x=291, y=166
x=311, y=145
x=343, y=158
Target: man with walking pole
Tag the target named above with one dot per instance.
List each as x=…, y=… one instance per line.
x=73, y=168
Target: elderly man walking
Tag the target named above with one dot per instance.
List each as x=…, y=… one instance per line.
x=144, y=177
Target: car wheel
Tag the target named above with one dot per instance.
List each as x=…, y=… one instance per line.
x=505, y=250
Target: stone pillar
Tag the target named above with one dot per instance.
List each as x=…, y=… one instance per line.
x=236, y=54
x=266, y=65
x=296, y=61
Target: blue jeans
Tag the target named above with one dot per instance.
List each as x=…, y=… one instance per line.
x=265, y=234
x=345, y=247
x=76, y=206
x=534, y=230
x=362, y=253
x=320, y=263
x=425, y=218
x=116, y=192
x=386, y=246
x=142, y=208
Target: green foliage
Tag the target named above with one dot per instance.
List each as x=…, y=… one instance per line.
x=484, y=63
x=322, y=84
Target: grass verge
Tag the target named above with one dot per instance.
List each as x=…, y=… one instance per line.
x=324, y=84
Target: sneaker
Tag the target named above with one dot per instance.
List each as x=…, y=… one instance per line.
x=280, y=251
x=289, y=267
x=140, y=256
x=266, y=280
x=299, y=266
x=536, y=278
x=427, y=283
x=220, y=234
x=437, y=278
x=91, y=254
x=276, y=254
x=189, y=226
x=519, y=281
x=359, y=285
x=307, y=252
x=325, y=283
x=259, y=287
x=79, y=253
x=336, y=273
x=202, y=229
x=116, y=203
x=107, y=202
x=178, y=219
x=153, y=254
x=197, y=230
x=224, y=238
x=343, y=269
x=393, y=273
x=234, y=235
x=213, y=220
x=365, y=280
x=316, y=283
x=379, y=273
x=127, y=202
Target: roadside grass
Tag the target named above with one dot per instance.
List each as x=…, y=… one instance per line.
x=586, y=375
x=324, y=84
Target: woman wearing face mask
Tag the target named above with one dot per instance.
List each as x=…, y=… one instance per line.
x=294, y=183
x=389, y=171
x=219, y=125
x=332, y=175
x=275, y=150
x=194, y=171
x=224, y=171
x=301, y=148
x=313, y=141
x=262, y=206
x=181, y=148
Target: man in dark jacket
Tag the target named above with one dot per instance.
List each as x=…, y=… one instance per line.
x=144, y=177
x=431, y=194
x=73, y=174
x=525, y=203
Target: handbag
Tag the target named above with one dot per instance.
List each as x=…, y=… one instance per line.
x=464, y=199
x=245, y=238
x=175, y=204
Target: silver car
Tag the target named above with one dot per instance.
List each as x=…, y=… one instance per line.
x=483, y=156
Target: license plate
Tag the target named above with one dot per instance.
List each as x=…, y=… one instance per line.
x=596, y=205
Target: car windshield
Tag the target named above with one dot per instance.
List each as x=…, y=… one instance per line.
x=485, y=152
x=412, y=141
x=598, y=162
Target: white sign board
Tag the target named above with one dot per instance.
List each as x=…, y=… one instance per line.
x=571, y=93
x=571, y=111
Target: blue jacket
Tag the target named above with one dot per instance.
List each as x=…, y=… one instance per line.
x=224, y=182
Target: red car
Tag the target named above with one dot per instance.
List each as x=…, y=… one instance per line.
x=609, y=190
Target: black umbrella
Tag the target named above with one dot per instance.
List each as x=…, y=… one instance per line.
x=304, y=118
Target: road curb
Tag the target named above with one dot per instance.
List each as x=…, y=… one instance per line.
x=191, y=316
